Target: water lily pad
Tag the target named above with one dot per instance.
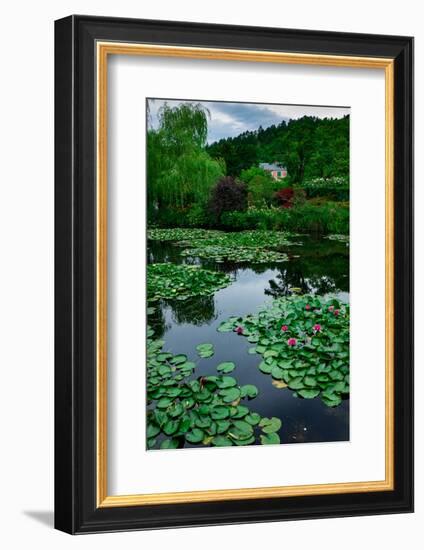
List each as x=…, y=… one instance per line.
x=249, y=390
x=246, y=441
x=220, y=412
x=151, y=443
x=152, y=430
x=169, y=444
x=163, y=356
x=221, y=441
x=225, y=327
x=226, y=367
x=308, y=394
x=243, y=426
x=229, y=395
x=178, y=359
x=171, y=427
x=270, y=425
x=296, y=383
x=252, y=418
x=222, y=426
x=163, y=403
x=270, y=439
x=265, y=368
x=195, y=436
x=205, y=350
x=239, y=412
x=203, y=422
x=277, y=373
x=226, y=382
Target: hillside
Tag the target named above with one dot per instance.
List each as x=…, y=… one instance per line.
x=309, y=147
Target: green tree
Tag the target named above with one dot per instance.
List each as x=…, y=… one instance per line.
x=179, y=170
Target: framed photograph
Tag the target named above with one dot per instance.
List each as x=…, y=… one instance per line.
x=234, y=274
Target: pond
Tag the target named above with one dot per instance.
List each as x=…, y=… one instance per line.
x=316, y=265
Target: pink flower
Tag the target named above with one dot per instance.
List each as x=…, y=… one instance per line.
x=336, y=312
x=292, y=341
x=330, y=308
x=307, y=307
x=284, y=328
x=317, y=327
x=239, y=330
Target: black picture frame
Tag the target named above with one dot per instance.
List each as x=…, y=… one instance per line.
x=76, y=510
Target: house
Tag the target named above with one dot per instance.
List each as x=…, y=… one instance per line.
x=277, y=171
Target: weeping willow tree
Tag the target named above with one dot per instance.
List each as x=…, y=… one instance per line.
x=179, y=171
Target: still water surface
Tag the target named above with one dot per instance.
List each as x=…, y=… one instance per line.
x=318, y=266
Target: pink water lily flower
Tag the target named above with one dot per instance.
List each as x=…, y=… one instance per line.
x=239, y=330
x=292, y=341
x=336, y=312
x=317, y=327
x=284, y=328
x=307, y=307
x=331, y=308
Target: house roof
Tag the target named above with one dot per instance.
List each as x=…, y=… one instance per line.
x=271, y=167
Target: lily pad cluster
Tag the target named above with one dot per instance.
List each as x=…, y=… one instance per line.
x=256, y=246
x=209, y=410
x=304, y=343
x=252, y=239
x=180, y=282
x=339, y=238
x=179, y=234
x=242, y=254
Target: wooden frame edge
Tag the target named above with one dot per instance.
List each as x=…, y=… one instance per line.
x=103, y=49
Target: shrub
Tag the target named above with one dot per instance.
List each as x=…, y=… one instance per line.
x=336, y=188
x=261, y=186
x=261, y=191
x=197, y=216
x=284, y=197
x=331, y=217
x=228, y=195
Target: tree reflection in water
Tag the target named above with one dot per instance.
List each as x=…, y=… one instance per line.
x=320, y=269
x=197, y=311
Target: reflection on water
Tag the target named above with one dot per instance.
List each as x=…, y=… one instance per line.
x=319, y=266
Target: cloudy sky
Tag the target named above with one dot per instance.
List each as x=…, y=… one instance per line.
x=231, y=119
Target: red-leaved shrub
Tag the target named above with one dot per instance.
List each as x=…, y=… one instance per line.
x=284, y=197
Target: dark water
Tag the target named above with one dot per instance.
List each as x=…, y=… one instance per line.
x=319, y=266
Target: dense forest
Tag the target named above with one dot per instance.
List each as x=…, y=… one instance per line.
x=309, y=147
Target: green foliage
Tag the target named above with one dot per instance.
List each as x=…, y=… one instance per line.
x=303, y=341
x=179, y=170
x=330, y=217
x=335, y=188
x=261, y=186
x=309, y=147
x=182, y=281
